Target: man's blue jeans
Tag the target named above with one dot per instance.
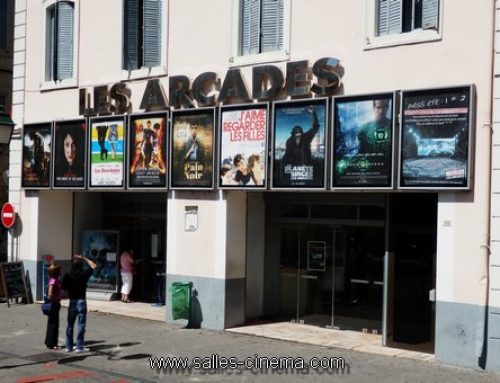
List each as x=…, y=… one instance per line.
x=77, y=308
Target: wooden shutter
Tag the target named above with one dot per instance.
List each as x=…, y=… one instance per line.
x=272, y=25
x=152, y=33
x=389, y=17
x=131, y=34
x=430, y=14
x=250, y=26
x=65, y=36
x=51, y=44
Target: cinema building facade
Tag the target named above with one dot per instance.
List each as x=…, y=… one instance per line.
x=331, y=165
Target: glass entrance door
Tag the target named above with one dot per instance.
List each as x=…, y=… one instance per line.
x=316, y=275
x=331, y=276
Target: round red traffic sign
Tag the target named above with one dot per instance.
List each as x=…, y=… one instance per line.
x=8, y=215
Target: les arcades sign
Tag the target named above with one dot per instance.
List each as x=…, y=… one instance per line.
x=207, y=89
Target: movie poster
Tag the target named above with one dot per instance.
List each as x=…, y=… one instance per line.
x=102, y=248
x=192, y=149
x=37, y=149
x=435, y=138
x=70, y=139
x=363, y=131
x=107, y=152
x=243, y=142
x=299, y=144
x=147, y=161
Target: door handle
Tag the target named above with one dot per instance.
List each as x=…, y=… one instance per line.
x=309, y=276
x=432, y=295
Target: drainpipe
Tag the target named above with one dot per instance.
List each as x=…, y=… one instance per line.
x=482, y=341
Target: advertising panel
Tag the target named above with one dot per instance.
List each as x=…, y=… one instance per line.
x=192, y=147
x=70, y=138
x=107, y=152
x=102, y=248
x=435, y=135
x=147, y=156
x=299, y=150
x=243, y=147
x=316, y=255
x=363, y=141
x=37, y=152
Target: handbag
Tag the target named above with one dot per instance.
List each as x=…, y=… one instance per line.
x=46, y=307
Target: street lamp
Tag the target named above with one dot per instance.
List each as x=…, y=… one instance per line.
x=6, y=128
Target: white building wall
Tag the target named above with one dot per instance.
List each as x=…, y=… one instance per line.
x=494, y=259
x=200, y=39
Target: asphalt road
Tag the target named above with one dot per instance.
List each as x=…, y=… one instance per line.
x=121, y=348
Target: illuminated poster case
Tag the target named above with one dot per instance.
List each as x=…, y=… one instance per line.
x=107, y=152
x=436, y=138
x=70, y=154
x=101, y=246
x=36, y=156
x=363, y=142
x=299, y=144
x=192, y=149
x=147, y=151
x=243, y=137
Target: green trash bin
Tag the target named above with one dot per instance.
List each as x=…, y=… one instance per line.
x=181, y=300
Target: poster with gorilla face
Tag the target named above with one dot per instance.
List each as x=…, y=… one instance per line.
x=299, y=150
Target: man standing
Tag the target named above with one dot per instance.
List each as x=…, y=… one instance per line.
x=375, y=136
x=75, y=283
x=193, y=145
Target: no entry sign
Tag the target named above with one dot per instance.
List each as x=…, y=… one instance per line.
x=8, y=215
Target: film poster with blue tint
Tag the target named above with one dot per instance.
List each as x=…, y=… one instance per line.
x=107, y=152
x=435, y=138
x=102, y=248
x=363, y=141
x=299, y=144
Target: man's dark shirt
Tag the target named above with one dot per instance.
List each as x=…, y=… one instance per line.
x=76, y=285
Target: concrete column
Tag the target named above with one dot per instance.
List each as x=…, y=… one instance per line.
x=211, y=255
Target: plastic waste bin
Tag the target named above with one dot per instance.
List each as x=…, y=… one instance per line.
x=181, y=299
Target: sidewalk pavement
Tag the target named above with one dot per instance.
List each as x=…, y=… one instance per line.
x=120, y=349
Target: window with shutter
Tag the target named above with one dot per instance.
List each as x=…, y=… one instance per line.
x=394, y=22
x=402, y=16
x=60, y=41
x=261, y=26
x=4, y=25
x=142, y=34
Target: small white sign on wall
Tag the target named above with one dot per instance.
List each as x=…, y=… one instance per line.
x=191, y=218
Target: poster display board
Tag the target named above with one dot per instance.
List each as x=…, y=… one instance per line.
x=243, y=147
x=102, y=248
x=13, y=281
x=316, y=255
x=147, y=154
x=299, y=144
x=70, y=148
x=37, y=154
x=363, y=141
x=436, y=138
x=192, y=149
x=106, y=152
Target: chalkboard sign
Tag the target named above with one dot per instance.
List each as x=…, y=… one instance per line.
x=13, y=281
